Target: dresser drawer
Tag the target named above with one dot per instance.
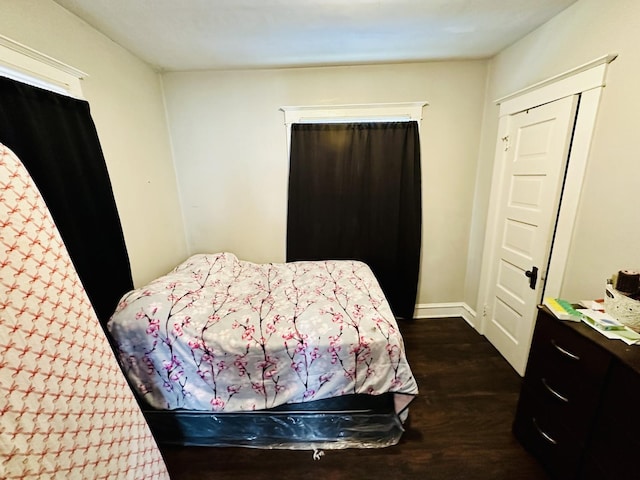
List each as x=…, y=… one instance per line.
x=566, y=372
x=568, y=363
x=573, y=408
x=544, y=435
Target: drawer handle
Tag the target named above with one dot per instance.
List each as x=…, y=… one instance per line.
x=553, y=392
x=544, y=435
x=566, y=353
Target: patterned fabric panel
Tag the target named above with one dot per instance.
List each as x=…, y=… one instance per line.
x=66, y=410
x=222, y=334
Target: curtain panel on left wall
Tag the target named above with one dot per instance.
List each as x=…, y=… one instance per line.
x=56, y=139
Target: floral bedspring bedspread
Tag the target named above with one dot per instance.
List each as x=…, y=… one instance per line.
x=226, y=335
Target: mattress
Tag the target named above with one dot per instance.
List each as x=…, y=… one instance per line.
x=219, y=335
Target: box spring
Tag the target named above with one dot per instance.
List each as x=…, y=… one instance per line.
x=350, y=421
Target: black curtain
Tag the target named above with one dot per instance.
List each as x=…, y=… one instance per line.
x=55, y=138
x=354, y=193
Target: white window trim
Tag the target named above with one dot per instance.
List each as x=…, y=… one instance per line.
x=26, y=65
x=370, y=112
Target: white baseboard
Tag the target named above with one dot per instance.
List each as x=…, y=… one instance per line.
x=443, y=310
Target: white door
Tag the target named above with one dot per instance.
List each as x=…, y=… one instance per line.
x=537, y=148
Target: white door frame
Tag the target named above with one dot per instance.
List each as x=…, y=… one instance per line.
x=587, y=80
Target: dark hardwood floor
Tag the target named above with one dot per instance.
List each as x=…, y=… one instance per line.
x=459, y=426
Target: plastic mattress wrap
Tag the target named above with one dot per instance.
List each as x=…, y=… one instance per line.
x=304, y=427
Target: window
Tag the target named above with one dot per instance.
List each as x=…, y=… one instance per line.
x=354, y=192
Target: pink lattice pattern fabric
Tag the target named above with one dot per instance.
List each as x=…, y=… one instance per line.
x=66, y=410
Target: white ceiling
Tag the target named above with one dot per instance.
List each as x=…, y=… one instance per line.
x=179, y=35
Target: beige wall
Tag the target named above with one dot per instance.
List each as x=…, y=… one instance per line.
x=232, y=165
x=230, y=149
x=607, y=232
x=127, y=106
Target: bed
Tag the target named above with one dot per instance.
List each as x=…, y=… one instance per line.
x=300, y=355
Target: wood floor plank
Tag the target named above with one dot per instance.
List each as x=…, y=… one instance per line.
x=459, y=426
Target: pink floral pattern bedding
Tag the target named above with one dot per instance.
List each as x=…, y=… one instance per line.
x=221, y=334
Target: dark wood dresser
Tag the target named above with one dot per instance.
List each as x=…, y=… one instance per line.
x=579, y=407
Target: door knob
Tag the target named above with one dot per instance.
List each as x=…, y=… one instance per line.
x=533, y=277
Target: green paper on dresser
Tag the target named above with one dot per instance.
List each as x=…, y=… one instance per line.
x=601, y=322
